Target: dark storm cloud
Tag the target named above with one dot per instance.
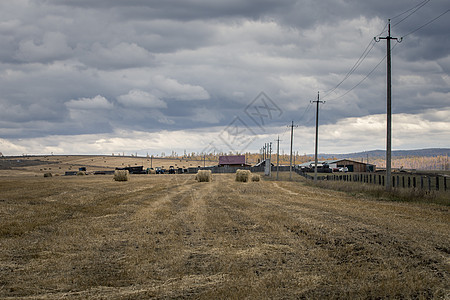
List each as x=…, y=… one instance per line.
x=183, y=10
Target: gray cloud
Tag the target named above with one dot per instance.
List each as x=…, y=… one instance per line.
x=99, y=67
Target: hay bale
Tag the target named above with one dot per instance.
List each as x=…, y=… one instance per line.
x=256, y=177
x=47, y=174
x=152, y=172
x=121, y=175
x=203, y=176
x=81, y=173
x=243, y=175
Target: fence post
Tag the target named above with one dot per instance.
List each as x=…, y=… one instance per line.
x=445, y=183
x=437, y=183
x=383, y=180
x=429, y=183
x=421, y=182
x=403, y=181
x=409, y=181
x=393, y=181
x=414, y=182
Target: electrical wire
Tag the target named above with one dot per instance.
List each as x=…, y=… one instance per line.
x=370, y=46
x=367, y=76
x=429, y=22
x=353, y=69
x=414, y=9
x=360, y=60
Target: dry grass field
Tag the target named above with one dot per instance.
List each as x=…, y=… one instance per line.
x=59, y=164
x=169, y=236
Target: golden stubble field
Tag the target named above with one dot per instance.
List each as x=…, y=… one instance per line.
x=168, y=236
x=59, y=164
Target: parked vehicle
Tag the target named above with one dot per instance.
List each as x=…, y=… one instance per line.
x=171, y=170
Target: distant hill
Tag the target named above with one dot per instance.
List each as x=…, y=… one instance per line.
x=430, y=152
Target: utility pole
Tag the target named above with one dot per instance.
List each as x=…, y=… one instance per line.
x=388, y=39
x=278, y=155
x=270, y=158
x=264, y=152
x=317, y=135
x=292, y=141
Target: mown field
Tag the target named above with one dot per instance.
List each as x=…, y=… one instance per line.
x=59, y=164
x=168, y=236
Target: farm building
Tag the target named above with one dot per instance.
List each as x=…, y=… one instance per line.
x=351, y=165
x=232, y=161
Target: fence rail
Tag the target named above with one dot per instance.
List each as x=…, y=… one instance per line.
x=417, y=181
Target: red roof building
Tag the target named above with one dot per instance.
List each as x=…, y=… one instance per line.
x=232, y=161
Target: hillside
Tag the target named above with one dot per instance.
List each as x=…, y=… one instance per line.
x=430, y=152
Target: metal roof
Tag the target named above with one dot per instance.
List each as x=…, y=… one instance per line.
x=232, y=160
x=330, y=161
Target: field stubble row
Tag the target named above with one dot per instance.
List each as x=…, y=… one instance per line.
x=169, y=236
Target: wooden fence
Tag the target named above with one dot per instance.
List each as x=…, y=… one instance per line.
x=399, y=180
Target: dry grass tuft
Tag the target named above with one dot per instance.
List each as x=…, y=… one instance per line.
x=121, y=175
x=203, y=176
x=256, y=177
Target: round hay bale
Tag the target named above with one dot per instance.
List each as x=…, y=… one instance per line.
x=204, y=176
x=81, y=173
x=47, y=174
x=256, y=177
x=243, y=175
x=121, y=175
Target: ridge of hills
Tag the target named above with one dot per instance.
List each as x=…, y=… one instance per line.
x=429, y=152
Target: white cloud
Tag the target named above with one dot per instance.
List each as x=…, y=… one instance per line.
x=171, y=88
x=409, y=131
x=140, y=99
x=12, y=148
x=96, y=103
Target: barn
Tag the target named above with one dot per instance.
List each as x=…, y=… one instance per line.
x=232, y=161
x=351, y=165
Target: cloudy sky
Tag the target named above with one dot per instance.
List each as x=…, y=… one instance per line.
x=146, y=76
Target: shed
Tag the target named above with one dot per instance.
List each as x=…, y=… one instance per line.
x=351, y=165
x=232, y=161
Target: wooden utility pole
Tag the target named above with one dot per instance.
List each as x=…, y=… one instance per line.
x=317, y=135
x=388, y=39
x=270, y=158
x=278, y=155
x=292, y=141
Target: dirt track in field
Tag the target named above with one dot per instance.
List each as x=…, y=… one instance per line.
x=169, y=236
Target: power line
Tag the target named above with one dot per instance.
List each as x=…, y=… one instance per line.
x=371, y=45
x=367, y=76
x=427, y=23
x=414, y=9
x=357, y=63
x=408, y=10
x=353, y=69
